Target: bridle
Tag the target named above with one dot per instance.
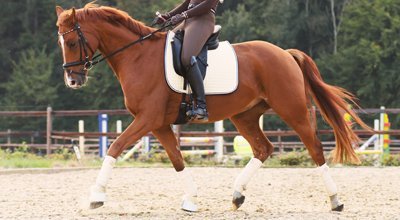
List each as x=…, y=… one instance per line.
x=84, y=61
x=83, y=46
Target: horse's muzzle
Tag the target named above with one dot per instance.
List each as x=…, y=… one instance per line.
x=75, y=80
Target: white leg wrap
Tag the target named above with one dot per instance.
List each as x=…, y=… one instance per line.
x=190, y=189
x=328, y=181
x=98, y=191
x=330, y=186
x=97, y=194
x=105, y=171
x=248, y=172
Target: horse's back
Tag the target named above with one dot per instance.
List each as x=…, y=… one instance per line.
x=271, y=66
x=262, y=49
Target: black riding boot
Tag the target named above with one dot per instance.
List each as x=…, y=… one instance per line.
x=195, y=79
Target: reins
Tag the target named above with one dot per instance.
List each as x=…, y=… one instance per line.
x=89, y=64
x=94, y=61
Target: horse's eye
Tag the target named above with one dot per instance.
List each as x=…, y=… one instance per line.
x=72, y=44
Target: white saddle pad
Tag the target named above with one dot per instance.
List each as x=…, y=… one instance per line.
x=222, y=71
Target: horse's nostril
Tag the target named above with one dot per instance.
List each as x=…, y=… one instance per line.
x=72, y=82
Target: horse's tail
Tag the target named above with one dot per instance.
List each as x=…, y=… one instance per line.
x=333, y=102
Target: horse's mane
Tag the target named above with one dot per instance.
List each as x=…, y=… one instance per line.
x=93, y=11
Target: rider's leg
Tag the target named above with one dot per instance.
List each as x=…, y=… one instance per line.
x=195, y=79
x=197, y=32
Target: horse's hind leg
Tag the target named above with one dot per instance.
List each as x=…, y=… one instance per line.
x=167, y=138
x=247, y=124
x=294, y=112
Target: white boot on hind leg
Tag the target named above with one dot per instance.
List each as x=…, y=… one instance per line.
x=242, y=180
x=331, y=188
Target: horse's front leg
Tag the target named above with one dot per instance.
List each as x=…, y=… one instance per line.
x=167, y=138
x=137, y=129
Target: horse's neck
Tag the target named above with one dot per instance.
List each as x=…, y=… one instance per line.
x=113, y=38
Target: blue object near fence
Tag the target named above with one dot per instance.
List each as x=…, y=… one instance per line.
x=103, y=140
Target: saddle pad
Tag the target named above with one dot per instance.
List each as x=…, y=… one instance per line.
x=222, y=71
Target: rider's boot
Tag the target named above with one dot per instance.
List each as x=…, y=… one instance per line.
x=195, y=79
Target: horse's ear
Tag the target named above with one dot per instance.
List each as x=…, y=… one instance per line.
x=73, y=15
x=59, y=10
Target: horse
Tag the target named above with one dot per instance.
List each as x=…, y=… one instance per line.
x=286, y=81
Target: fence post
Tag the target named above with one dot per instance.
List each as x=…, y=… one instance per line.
x=49, y=128
x=8, y=136
x=177, y=130
x=382, y=125
x=81, y=129
x=103, y=140
x=219, y=144
x=314, y=117
x=119, y=126
x=146, y=144
x=280, y=142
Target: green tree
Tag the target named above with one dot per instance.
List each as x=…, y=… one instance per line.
x=29, y=87
x=144, y=10
x=368, y=54
x=236, y=25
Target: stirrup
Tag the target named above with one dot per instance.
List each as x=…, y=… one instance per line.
x=198, y=114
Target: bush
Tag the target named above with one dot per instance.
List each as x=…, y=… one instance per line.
x=161, y=157
x=368, y=160
x=391, y=160
x=245, y=160
x=295, y=158
x=191, y=159
x=62, y=154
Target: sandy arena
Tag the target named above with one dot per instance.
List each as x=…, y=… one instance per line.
x=153, y=193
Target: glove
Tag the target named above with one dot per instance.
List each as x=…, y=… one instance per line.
x=176, y=19
x=160, y=19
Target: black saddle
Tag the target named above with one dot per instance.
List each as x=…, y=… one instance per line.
x=211, y=44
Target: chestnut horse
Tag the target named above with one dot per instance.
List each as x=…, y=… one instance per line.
x=269, y=78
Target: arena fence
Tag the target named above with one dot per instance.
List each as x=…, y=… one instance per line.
x=57, y=139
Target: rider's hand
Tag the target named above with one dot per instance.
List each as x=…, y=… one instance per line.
x=161, y=19
x=176, y=19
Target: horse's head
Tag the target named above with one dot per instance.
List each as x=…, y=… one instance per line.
x=78, y=44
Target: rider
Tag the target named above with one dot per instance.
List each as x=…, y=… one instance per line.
x=199, y=17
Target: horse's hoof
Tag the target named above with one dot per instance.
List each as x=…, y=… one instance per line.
x=95, y=205
x=189, y=205
x=238, y=200
x=339, y=208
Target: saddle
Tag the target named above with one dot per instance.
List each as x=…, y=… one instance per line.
x=211, y=44
x=218, y=58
